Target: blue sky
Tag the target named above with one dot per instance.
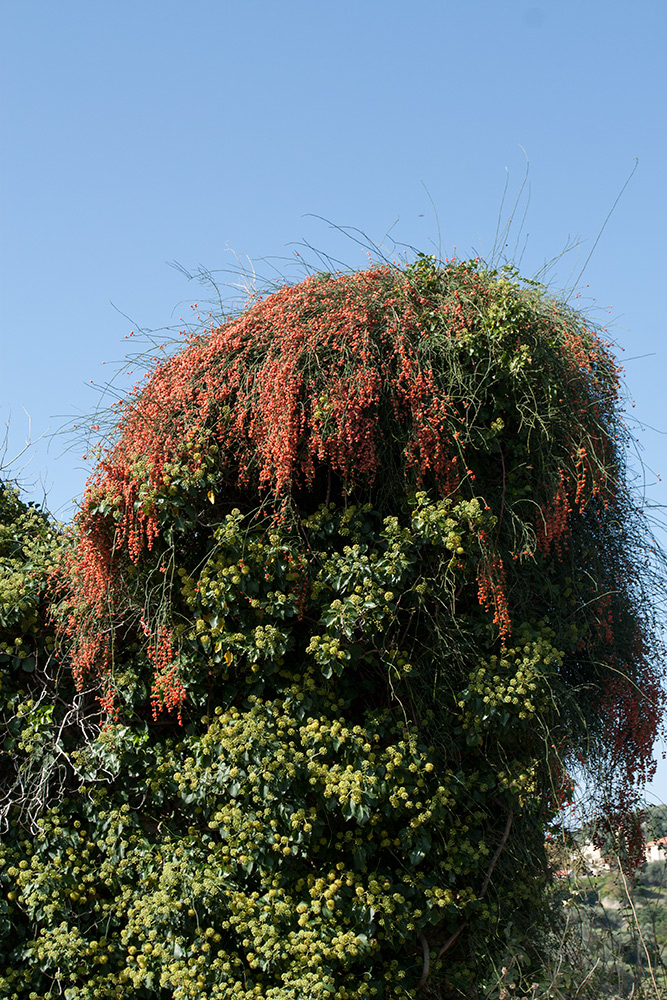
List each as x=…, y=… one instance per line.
x=138, y=134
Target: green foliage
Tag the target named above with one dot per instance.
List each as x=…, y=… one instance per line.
x=312, y=830
x=616, y=931
x=29, y=550
x=339, y=701
x=655, y=822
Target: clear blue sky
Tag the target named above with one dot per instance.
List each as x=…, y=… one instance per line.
x=140, y=133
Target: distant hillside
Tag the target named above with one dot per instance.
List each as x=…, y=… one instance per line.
x=616, y=925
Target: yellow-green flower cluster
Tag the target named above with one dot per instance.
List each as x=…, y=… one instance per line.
x=511, y=688
x=275, y=849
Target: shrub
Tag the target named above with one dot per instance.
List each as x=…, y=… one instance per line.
x=361, y=580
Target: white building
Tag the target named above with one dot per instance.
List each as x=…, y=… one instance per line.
x=593, y=859
x=655, y=850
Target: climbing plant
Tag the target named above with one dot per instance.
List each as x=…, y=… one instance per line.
x=361, y=581
x=35, y=690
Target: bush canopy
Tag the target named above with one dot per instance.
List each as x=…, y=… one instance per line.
x=362, y=583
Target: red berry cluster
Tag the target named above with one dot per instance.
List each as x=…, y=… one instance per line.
x=339, y=372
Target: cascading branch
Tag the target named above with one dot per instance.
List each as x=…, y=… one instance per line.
x=362, y=579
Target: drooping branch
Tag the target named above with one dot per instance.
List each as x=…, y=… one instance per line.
x=499, y=851
x=451, y=940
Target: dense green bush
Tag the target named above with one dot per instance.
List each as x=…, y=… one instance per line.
x=33, y=687
x=360, y=580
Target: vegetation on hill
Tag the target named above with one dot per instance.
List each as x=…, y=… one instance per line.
x=358, y=582
x=615, y=921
